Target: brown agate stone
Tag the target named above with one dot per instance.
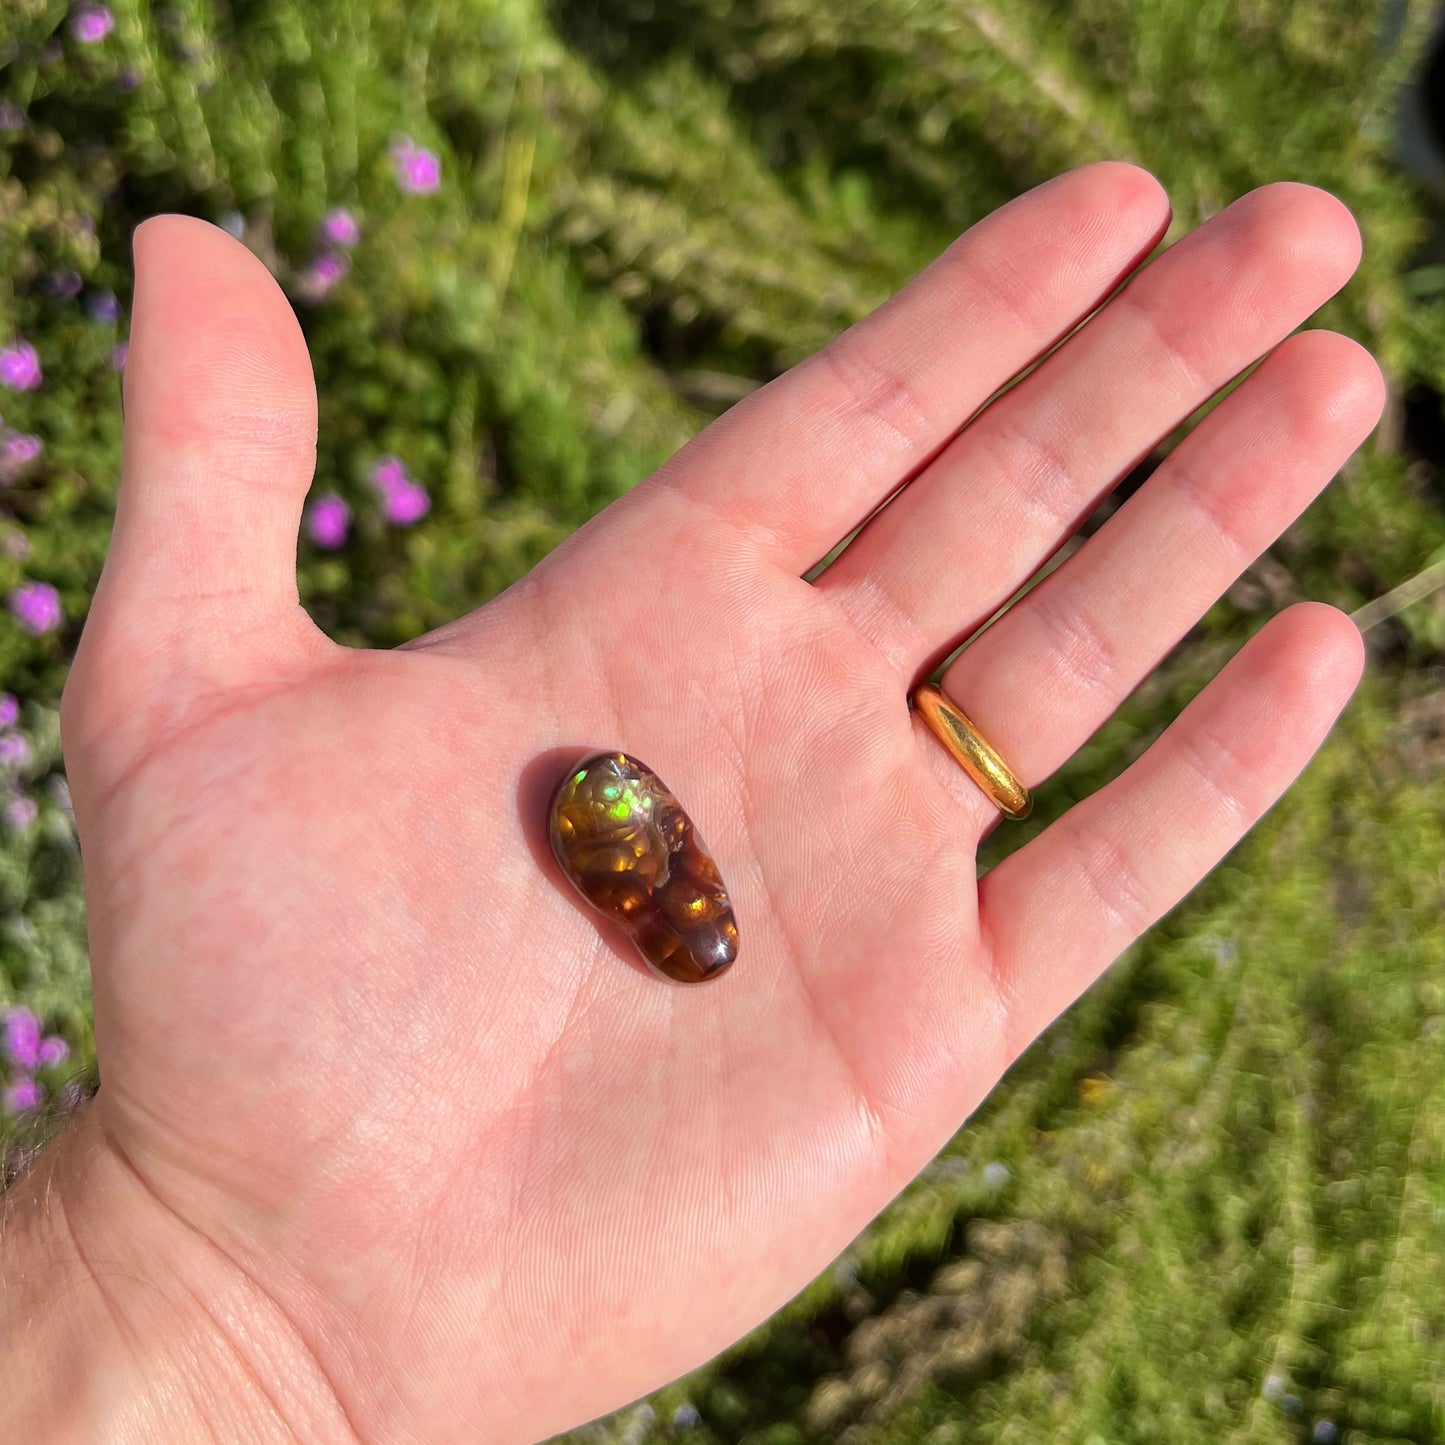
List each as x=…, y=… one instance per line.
x=628, y=848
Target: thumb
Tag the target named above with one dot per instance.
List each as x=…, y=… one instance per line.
x=198, y=593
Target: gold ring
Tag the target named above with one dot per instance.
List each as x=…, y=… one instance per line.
x=972, y=752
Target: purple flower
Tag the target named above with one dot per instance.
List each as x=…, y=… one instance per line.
x=16, y=545
x=233, y=223
x=9, y=709
x=17, y=451
x=20, y=367
x=418, y=170
x=118, y=354
x=328, y=519
x=91, y=23
x=21, y=812
x=14, y=751
x=36, y=606
x=406, y=503
x=22, y=447
x=388, y=474
x=127, y=80
x=102, y=306
x=65, y=284
x=11, y=116
x=331, y=267
x=53, y=1051
x=403, y=500
x=338, y=226
x=22, y=1037
x=323, y=274
x=23, y=1094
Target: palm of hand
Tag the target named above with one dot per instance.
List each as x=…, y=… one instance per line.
x=409, y=1040
x=357, y=1032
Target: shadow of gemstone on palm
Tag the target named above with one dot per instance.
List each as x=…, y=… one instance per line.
x=626, y=844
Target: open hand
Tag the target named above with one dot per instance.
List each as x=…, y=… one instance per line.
x=447, y=1163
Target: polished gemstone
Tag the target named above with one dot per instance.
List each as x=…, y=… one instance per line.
x=628, y=848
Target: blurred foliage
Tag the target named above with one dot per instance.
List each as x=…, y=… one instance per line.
x=1209, y=1203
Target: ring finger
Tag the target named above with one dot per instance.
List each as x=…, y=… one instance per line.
x=1077, y=644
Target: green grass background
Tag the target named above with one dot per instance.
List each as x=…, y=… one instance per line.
x=1209, y=1204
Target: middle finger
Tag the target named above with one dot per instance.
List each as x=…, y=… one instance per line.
x=974, y=526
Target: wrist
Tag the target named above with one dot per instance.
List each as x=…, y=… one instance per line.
x=119, y=1323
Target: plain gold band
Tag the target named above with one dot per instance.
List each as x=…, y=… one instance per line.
x=969, y=749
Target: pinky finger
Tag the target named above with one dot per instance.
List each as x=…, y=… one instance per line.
x=1062, y=908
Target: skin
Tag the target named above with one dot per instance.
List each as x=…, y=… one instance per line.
x=395, y=1143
